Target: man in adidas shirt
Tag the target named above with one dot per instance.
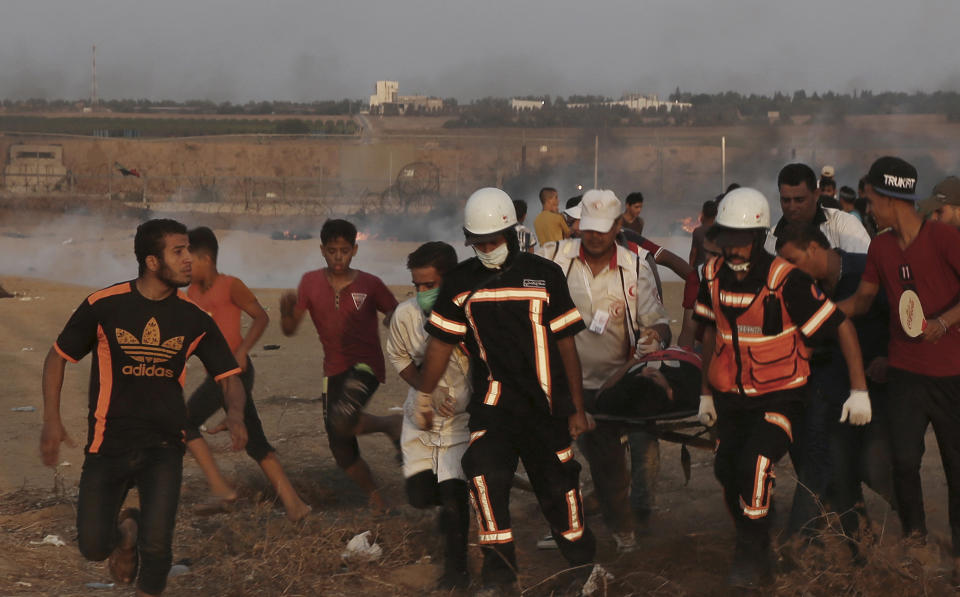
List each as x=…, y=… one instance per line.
x=141, y=334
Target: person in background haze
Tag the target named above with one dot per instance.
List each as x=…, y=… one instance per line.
x=528, y=240
x=631, y=213
x=944, y=203
x=708, y=214
x=549, y=225
x=226, y=298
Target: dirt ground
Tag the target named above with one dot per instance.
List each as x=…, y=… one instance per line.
x=255, y=550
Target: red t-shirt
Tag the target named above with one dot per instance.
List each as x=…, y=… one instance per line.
x=224, y=301
x=931, y=266
x=347, y=322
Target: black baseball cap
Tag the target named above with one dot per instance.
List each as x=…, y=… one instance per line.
x=893, y=177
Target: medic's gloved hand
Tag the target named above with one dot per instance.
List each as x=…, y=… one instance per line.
x=649, y=341
x=856, y=410
x=423, y=411
x=708, y=412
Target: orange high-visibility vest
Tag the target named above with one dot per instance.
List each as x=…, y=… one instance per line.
x=744, y=359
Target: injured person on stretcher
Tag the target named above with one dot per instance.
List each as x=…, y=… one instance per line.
x=662, y=384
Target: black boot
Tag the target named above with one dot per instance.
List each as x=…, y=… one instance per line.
x=455, y=520
x=752, y=566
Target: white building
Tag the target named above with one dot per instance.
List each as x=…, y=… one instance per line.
x=386, y=93
x=638, y=102
x=520, y=105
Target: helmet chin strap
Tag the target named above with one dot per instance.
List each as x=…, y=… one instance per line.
x=738, y=267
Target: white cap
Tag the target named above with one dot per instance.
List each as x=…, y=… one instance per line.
x=827, y=171
x=573, y=211
x=599, y=210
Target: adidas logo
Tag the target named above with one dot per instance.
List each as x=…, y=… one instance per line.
x=148, y=349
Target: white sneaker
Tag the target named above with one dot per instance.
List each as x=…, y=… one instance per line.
x=547, y=542
x=599, y=577
x=626, y=542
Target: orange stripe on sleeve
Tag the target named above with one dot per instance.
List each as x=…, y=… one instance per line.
x=65, y=356
x=229, y=373
x=106, y=389
x=112, y=291
x=186, y=357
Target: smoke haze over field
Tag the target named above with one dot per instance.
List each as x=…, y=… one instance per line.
x=300, y=50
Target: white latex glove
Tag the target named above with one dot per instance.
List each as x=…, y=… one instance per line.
x=856, y=410
x=423, y=411
x=708, y=412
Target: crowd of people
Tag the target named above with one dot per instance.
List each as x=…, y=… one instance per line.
x=830, y=335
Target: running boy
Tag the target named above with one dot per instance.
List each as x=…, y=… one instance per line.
x=141, y=334
x=226, y=298
x=434, y=444
x=343, y=304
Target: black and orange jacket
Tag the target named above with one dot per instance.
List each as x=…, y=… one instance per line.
x=140, y=349
x=763, y=323
x=510, y=322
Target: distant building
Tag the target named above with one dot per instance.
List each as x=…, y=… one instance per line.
x=34, y=168
x=520, y=105
x=387, y=100
x=637, y=103
x=386, y=93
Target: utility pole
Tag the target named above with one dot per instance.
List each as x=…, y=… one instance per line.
x=723, y=163
x=93, y=88
x=596, y=158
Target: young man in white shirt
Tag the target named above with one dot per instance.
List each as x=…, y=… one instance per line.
x=432, y=449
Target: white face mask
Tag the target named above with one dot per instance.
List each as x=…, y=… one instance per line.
x=495, y=258
x=738, y=267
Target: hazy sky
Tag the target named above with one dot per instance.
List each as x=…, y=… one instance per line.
x=242, y=50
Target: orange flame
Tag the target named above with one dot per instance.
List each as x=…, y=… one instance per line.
x=689, y=224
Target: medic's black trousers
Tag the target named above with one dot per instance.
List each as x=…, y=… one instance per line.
x=753, y=433
x=498, y=439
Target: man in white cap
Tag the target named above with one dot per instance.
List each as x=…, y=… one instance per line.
x=615, y=292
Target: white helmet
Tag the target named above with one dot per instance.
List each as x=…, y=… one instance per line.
x=489, y=211
x=744, y=209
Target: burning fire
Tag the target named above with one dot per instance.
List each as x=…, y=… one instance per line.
x=363, y=236
x=689, y=224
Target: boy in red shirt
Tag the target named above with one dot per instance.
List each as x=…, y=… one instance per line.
x=343, y=304
x=225, y=298
x=923, y=372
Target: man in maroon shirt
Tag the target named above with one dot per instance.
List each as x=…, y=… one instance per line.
x=343, y=304
x=924, y=372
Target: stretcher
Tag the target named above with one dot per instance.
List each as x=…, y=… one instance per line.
x=679, y=427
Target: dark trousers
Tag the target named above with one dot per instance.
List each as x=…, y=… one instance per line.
x=860, y=454
x=424, y=491
x=104, y=483
x=810, y=451
x=916, y=401
x=833, y=459
x=751, y=441
x=644, y=470
x=208, y=399
x=346, y=396
x=498, y=440
x=605, y=449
